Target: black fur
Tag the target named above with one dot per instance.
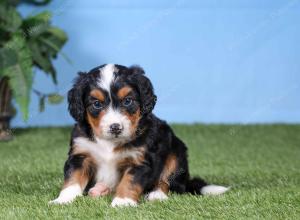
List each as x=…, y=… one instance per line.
x=144, y=87
x=76, y=107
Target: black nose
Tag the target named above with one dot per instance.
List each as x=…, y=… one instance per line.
x=115, y=128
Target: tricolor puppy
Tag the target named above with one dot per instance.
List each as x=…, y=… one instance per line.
x=118, y=146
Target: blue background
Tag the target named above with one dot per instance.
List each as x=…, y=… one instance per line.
x=210, y=61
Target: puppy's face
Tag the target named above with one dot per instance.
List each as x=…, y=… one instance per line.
x=114, y=113
x=112, y=100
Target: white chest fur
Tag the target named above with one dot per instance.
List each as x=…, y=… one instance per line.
x=107, y=159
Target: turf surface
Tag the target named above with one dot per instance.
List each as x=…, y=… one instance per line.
x=260, y=162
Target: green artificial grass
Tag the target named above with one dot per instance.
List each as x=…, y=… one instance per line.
x=260, y=162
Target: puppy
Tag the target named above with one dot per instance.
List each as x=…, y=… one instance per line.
x=118, y=146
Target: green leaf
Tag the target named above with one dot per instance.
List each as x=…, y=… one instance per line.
x=59, y=34
x=35, y=25
x=54, y=48
x=44, y=16
x=46, y=46
x=10, y=19
x=59, y=38
x=55, y=98
x=8, y=57
x=42, y=61
x=20, y=73
x=54, y=39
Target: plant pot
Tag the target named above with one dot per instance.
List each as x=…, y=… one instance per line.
x=5, y=132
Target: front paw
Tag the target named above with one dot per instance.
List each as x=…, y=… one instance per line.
x=61, y=201
x=157, y=195
x=67, y=195
x=123, y=202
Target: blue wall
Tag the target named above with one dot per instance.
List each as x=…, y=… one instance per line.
x=210, y=61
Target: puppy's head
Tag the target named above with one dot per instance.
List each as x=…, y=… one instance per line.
x=112, y=99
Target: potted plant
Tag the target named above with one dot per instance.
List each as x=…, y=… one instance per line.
x=25, y=44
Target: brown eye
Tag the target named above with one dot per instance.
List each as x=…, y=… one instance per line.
x=97, y=105
x=127, y=101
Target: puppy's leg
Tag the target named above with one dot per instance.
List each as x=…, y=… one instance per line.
x=72, y=188
x=167, y=177
x=79, y=170
x=128, y=191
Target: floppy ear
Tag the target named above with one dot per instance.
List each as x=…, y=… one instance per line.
x=75, y=98
x=145, y=89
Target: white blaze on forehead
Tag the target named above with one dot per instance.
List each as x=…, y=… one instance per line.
x=112, y=115
x=107, y=76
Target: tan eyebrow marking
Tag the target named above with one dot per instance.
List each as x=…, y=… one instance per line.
x=96, y=93
x=123, y=92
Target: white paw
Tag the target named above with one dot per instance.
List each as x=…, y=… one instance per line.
x=122, y=202
x=67, y=195
x=61, y=201
x=156, y=195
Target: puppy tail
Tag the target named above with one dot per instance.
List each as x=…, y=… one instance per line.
x=198, y=186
